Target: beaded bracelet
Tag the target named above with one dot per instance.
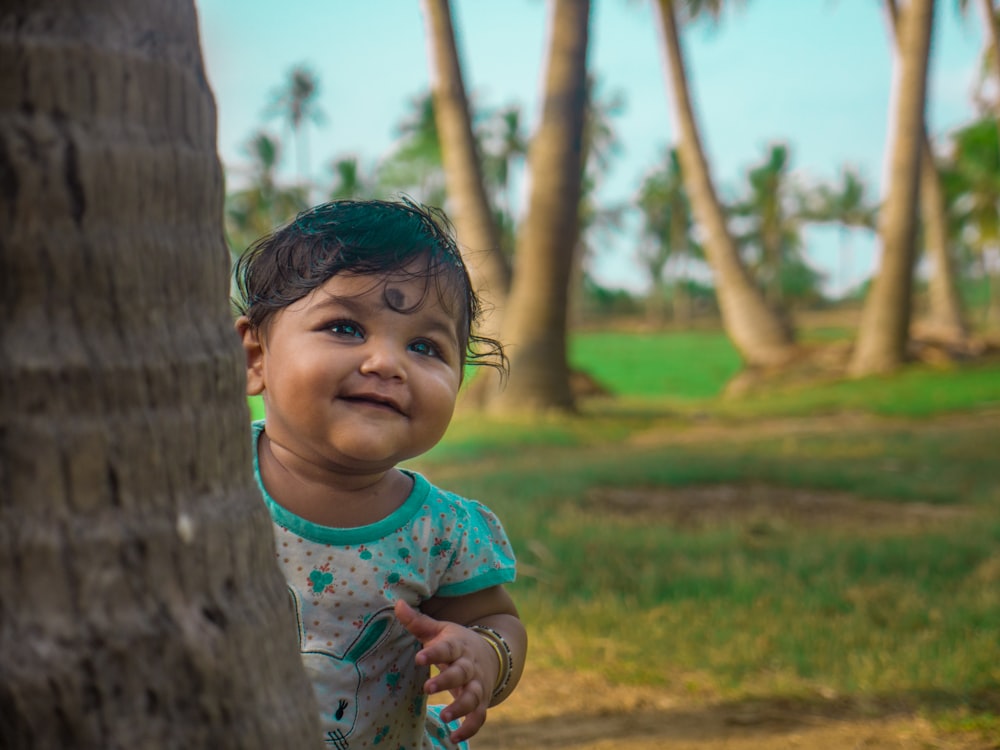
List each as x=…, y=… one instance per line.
x=502, y=649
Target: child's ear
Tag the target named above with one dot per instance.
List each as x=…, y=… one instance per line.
x=254, y=351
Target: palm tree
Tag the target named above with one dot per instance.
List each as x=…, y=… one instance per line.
x=141, y=603
x=535, y=323
x=597, y=220
x=473, y=217
x=945, y=314
x=263, y=204
x=992, y=55
x=505, y=147
x=349, y=182
x=971, y=178
x=296, y=103
x=847, y=205
x=760, y=335
x=885, y=320
x=665, y=234
x=992, y=64
x=772, y=223
x=415, y=166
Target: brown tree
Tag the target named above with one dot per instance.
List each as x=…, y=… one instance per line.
x=758, y=332
x=470, y=210
x=535, y=321
x=885, y=321
x=945, y=313
x=140, y=605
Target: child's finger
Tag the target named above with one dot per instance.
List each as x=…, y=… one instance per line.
x=454, y=676
x=471, y=724
x=464, y=704
x=420, y=625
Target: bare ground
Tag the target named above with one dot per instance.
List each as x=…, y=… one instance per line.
x=580, y=712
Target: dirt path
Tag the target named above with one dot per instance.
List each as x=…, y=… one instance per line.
x=576, y=712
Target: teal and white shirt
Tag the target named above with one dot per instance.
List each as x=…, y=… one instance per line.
x=344, y=583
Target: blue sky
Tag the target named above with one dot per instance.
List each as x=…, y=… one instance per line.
x=815, y=74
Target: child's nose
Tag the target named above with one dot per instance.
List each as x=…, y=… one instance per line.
x=383, y=359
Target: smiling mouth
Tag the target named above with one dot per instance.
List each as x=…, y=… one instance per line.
x=373, y=400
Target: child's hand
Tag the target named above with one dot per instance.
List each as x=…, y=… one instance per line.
x=468, y=667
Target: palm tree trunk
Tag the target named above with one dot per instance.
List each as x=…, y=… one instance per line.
x=990, y=258
x=845, y=260
x=535, y=323
x=885, y=319
x=945, y=315
x=140, y=604
x=771, y=240
x=756, y=330
x=471, y=213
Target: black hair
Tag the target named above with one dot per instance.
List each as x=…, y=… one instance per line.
x=364, y=237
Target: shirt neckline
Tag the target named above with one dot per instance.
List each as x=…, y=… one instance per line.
x=340, y=535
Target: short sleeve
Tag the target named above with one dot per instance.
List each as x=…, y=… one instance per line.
x=481, y=554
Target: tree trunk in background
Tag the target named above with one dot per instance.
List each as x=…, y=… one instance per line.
x=885, y=319
x=760, y=335
x=470, y=210
x=990, y=256
x=535, y=322
x=140, y=603
x=945, y=315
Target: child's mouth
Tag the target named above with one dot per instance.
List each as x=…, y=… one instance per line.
x=374, y=400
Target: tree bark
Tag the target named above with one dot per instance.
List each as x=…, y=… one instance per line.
x=760, y=335
x=992, y=31
x=470, y=210
x=535, y=322
x=140, y=604
x=475, y=223
x=885, y=319
x=945, y=314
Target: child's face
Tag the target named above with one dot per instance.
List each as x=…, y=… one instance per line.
x=352, y=384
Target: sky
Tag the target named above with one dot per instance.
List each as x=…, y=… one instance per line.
x=814, y=74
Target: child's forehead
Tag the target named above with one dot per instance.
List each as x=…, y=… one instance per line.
x=395, y=288
x=402, y=291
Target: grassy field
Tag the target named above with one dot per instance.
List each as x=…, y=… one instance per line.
x=875, y=580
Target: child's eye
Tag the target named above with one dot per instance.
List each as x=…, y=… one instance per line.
x=426, y=348
x=346, y=328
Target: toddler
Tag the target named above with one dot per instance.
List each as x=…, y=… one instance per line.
x=357, y=320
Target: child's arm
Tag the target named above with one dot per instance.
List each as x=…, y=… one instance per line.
x=470, y=662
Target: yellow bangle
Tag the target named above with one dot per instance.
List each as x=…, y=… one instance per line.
x=500, y=661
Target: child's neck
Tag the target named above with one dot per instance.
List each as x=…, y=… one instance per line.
x=329, y=499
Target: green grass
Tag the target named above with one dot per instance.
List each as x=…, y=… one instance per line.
x=687, y=371
x=256, y=404
x=897, y=616
x=919, y=391
x=684, y=365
